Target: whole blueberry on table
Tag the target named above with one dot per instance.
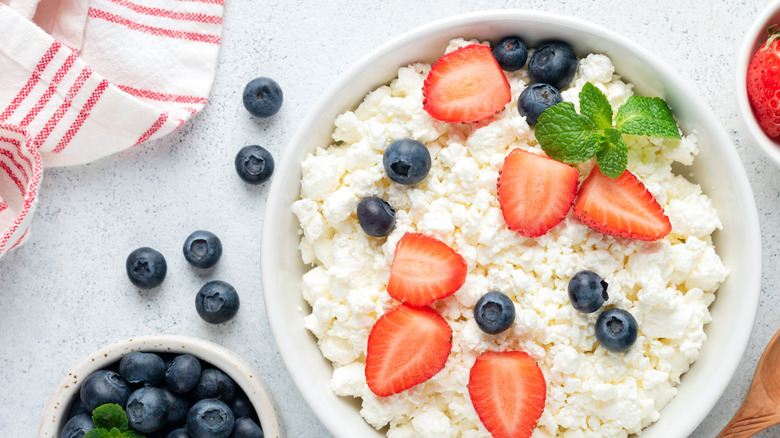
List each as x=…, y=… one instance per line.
x=210, y=418
x=254, y=164
x=406, y=161
x=215, y=384
x=494, y=312
x=77, y=426
x=376, y=216
x=246, y=428
x=553, y=63
x=536, y=98
x=139, y=367
x=616, y=330
x=511, y=53
x=101, y=387
x=146, y=268
x=217, y=302
x=202, y=249
x=147, y=409
x=262, y=97
x=587, y=291
x=183, y=373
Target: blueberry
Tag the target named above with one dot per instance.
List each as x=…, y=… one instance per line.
x=241, y=406
x=616, y=330
x=494, y=312
x=178, y=406
x=407, y=161
x=202, y=249
x=215, y=384
x=146, y=268
x=138, y=367
x=183, y=374
x=553, y=63
x=246, y=428
x=178, y=433
x=376, y=216
x=101, y=387
x=210, y=418
x=217, y=302
x=147, y=409
x=77, y=408
x=78, y=426
x=587, y=291
x=262, y=97
x=536, y=98
x=511, y=53
x=254, y=164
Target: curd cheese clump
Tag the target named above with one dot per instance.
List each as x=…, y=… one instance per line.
x=667, y=285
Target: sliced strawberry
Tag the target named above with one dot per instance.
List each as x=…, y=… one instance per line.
x=424, y=270
x=407, y=346
x=535, y=192
x=507, y=390
x=466, y=85
x=621, y=207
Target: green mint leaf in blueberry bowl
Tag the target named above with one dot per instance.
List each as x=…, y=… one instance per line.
x=572, y=137
x=109, y=416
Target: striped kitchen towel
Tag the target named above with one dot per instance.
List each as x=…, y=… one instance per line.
x=83, y=79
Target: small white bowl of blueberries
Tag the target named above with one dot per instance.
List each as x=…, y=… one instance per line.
x=164, y=386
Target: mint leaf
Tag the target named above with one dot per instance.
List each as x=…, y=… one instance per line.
x=98, y=433
x=612, y=159
x=567, y=136
x=132, y=434
x=642, y=115
x=109, y=416
x=595, y=106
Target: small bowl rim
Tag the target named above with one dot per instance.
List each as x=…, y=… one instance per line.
x=252, y=383
x=752, y=40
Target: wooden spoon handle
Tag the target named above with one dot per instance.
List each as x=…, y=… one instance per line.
x=758, y=412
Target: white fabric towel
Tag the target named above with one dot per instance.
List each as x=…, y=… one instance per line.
x=83, y=79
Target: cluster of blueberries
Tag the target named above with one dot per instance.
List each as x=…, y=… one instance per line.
x=167, y=396
x=216, y=302
x=616, y=329
x=551, y=67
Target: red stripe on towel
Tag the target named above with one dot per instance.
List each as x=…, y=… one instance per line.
x=83, y=114
x=32, y=81
x=156, y=31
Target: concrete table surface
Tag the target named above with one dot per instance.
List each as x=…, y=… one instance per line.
x=65, y=292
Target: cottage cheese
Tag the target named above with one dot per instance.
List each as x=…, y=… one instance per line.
x=666, y=285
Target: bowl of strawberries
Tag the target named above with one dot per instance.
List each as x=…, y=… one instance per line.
x=510, y=223
x=758, y=81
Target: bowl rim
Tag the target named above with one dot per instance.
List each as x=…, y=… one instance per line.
x=226, y=360
x=753, y=38
x=751, y=233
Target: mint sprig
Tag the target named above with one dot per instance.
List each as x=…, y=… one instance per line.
x=572, y=137
x=111, y=422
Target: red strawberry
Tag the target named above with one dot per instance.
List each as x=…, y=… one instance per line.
x=621, y=207
x=535, y=192
x=424, y=270
x=407, y=346
x=466, y=85
x=507, y=390
x=763, y=84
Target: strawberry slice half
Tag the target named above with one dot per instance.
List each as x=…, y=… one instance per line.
x=466, y=85
x=406, y=346
x=424, y=270
x=621, y=207
x=508, y=391
x=535, y=192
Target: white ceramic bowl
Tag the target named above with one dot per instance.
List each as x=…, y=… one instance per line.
x=754, y=38
x=718, y=169
x=56, y=412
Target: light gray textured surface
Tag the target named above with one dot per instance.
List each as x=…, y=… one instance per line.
x=65, y=292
